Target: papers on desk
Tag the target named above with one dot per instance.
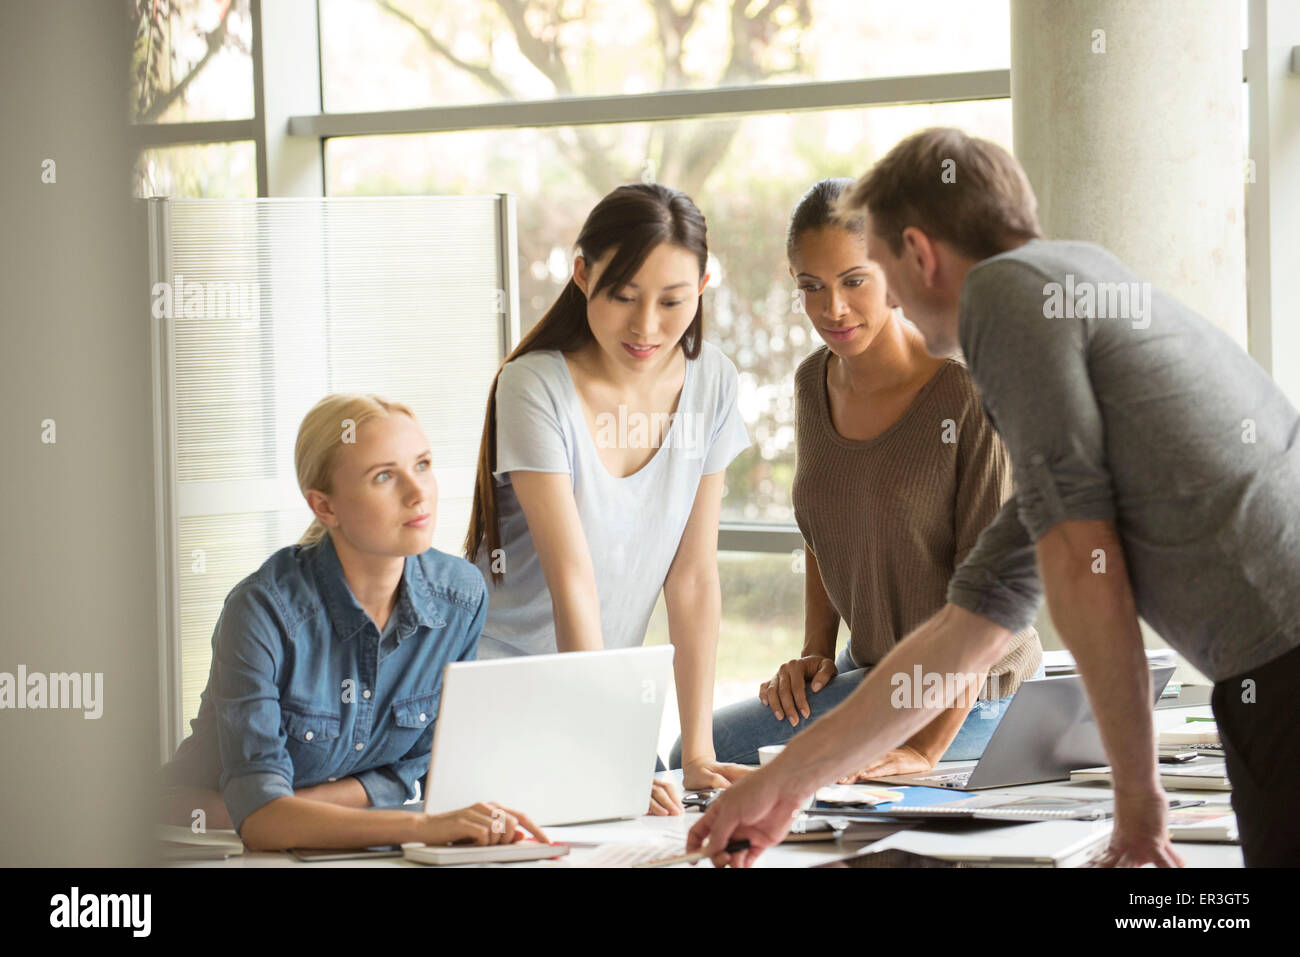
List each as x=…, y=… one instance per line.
x=181, y=843
x=1194, y=732
x=862, y=794
x=920, y=803
x=1200, y=774
x=1061, y=662
x=1209, y=822
x=614, y=832
x=1045, y=844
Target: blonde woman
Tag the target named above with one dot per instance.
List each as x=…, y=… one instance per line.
x=327, y=661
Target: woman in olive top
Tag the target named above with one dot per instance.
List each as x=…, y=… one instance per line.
x=898, y=471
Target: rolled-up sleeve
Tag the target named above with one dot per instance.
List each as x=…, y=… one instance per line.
x=256, y=767
x=999, y=578
x=387, y=786
x=1032, y=372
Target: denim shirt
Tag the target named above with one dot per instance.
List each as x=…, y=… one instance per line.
x=304, y=689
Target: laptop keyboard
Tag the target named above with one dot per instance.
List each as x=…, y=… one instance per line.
x=954, y=779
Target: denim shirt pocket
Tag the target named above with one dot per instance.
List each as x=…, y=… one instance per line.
x=412, y=715
x=311, y=736
x=417, y=711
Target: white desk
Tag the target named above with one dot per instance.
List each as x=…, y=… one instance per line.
x=800, y=854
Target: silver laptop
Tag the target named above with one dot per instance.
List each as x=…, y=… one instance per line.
x=564, y=738
x=1047, y=731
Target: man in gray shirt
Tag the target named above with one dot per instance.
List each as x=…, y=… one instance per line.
x=1157, y=472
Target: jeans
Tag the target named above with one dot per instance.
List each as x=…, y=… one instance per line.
x=740, y=729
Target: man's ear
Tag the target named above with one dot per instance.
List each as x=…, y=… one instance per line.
x=920, y=253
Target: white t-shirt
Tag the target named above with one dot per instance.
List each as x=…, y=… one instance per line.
x=632, y=525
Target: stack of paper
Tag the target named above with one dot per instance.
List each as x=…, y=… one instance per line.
x=181, y=843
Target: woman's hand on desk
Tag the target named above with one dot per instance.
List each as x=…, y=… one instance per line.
x=901, y=760
x=785, y=693
x=483, y=823
x=707, y=774
x=664, y=799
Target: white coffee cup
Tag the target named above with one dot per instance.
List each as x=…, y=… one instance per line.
x=768, y=752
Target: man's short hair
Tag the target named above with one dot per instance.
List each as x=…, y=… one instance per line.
x=966, y=191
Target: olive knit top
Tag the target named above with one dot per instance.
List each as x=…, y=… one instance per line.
x=889, y=519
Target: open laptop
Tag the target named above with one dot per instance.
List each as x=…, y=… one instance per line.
x=564, y=738
x=1048, y=731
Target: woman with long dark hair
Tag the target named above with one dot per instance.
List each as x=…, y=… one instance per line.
x=608, y=431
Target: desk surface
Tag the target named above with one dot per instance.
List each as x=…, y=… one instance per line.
x=801, y=854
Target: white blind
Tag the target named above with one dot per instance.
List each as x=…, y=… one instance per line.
x=267, y=306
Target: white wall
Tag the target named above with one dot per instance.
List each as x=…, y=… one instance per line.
x=77, y=567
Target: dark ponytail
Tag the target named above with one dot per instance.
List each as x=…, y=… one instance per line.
x=817, y=209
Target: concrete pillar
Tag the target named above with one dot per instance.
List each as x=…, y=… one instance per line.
x=78, y=571
x=1128, y=119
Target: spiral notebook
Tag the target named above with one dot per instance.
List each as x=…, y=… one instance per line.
x=997, y=807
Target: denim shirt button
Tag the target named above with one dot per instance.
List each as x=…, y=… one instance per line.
x=309, y=735
x=366, y=693
x=333, y=779
x=360, y=745
x=423, y=716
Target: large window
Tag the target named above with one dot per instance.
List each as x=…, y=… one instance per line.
x=398, y=54
x=192, y=89
x=745, y=173
x=191, y=61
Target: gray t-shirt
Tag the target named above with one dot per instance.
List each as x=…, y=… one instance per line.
x=632, y=524
x=1117, y=402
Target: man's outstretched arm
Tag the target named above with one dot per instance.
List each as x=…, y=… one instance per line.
x=888, y=708
x=760, y=807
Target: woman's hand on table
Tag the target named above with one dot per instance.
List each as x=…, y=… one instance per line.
x=708, y=774
x=664, y=799
x=785, y=694
x=482, y=823
x=901, y=760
